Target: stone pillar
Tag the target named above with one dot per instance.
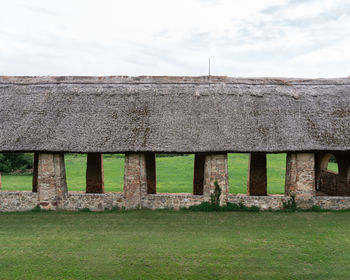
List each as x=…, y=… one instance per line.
x=215, y=169
x=198, y=174
x=135, y=180
x=51, y=180
x=35, y=173
x=257, y=179
x=151, y=172
x=300, y=175
x=94, y=173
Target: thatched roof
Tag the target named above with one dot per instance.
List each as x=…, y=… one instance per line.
x=173, y=114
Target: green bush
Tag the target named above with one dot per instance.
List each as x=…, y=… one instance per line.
x=290, y=204
x=10, y=162
x=208, y=207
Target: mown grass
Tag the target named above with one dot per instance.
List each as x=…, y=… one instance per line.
x=174, y=174
x=175, y=245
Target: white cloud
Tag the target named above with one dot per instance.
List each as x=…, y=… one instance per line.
x=243, y=38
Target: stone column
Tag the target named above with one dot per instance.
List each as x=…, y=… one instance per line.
x=215, y=169
x=151, y=172
x=135, y=180
x=35, y=173
x=257, y=179
x=300, y=175
x=198, y=174
x=94, y=173
x=51, y=180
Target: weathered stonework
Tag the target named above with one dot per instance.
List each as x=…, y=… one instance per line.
x=135, y=180
x=329, y=202
x=171, y=201
x=18, y=201
x=74, y=201
x=270, y=202
x=300, y=179
x=257, y=179
x=51, y=180
x=215, y=170
x=94, y=173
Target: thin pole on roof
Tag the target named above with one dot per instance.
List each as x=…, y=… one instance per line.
x=209, y=68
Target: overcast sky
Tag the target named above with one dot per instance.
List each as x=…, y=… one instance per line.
x=289, y=38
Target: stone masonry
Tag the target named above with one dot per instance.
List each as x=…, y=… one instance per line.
x=215, y=170
x=300, y=178
x=135, y=180
x=51, y=191
x=51, y=180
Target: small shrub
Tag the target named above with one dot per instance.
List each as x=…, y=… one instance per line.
x=36, y=209
x=84, y=210
x=254, y=208
x=290, y=204
x=208, y=207
x=215, y=197
x=214, y=204
x=204, y=206
x=316, y=208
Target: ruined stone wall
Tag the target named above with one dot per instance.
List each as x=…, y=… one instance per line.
x=18, y=201
x=171, y=201
x=74, y=201
x=51, y=192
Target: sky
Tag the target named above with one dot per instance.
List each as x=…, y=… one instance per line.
x=250, y=38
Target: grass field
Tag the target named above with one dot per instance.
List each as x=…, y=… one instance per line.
x=174, y=174
x=175, y=245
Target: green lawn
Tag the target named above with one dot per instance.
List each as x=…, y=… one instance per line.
x=174, y=174
x=175, y=245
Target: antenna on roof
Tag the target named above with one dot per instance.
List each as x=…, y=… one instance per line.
x=209, y=68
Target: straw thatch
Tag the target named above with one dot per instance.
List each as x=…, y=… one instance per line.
x=173, y=114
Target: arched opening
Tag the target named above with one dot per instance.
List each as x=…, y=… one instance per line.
x=329, y=163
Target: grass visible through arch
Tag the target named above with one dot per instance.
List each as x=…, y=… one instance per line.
x=174, y=174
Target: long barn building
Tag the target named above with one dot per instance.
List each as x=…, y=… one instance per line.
x=308, y=119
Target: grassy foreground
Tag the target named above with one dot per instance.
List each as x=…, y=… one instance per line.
x=175, y=245
x=174, y=174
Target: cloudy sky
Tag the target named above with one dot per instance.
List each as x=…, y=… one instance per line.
x=290, y=38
